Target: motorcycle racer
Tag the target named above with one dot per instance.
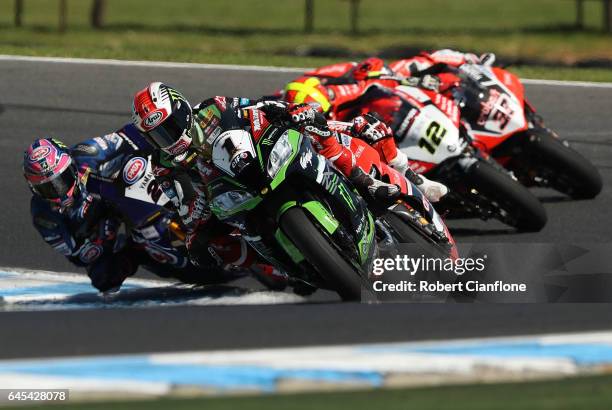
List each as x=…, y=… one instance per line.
x=80, y=224
x=183, y=136
x=426, y=64
x=69, y=219
x=370, y=77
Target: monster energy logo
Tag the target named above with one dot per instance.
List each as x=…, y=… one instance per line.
x=176, y=95
x=269, y=138
x=344, y=193
x=267, y=141
x=331, y=183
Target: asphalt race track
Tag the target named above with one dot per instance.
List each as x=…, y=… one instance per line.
x=77, y=101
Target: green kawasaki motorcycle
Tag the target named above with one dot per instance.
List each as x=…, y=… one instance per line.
x=297, y=210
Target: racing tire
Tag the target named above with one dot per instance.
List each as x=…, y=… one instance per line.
x=405, y=234
x=525, y=212
x=576, y=176
x=326, y=259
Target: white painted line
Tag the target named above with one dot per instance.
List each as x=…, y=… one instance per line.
x=161, y=64
x=47, y=382
x=353, y=359
x=232, y=356
x=238, y=67
x=558, y=83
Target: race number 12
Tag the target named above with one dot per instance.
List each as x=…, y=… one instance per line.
x=435, y=133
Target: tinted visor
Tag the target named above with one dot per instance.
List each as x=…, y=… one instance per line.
x=57, y=187
x=170, y=131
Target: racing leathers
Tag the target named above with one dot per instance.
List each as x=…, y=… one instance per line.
x=86, y=232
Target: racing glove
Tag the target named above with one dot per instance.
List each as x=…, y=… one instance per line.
x=301, y=114
x=276, y=111
x=371, y=129
x=380, y=136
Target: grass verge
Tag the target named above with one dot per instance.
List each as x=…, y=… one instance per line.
x=268, y=32
x=593, y=393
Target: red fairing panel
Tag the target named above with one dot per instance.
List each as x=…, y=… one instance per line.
x=334, y=70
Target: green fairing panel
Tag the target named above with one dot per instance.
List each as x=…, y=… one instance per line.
x=293, y=252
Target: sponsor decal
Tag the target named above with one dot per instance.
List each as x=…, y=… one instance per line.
x=405, y=125
x=213, y=135
x=161, y=255
x=487, y=106
x=134, y=170
x=345, y=140
x=330, y=182
x=153, y=119
x=40, y=153
x=101, y=142
x=90, y=252
x=359, y=151
x=180, y=146
x=239, y=159
x=318, y=131
x=256, y=120
x=306, y=159
x=62, y=248
x=149, y=232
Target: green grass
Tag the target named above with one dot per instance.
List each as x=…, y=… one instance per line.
x=592, y=393
x=269, y=31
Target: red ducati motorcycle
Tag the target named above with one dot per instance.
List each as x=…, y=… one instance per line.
x=501, y=122
x=428, y=128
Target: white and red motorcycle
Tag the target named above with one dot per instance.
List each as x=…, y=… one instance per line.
x=501, y=122
x=428, y=128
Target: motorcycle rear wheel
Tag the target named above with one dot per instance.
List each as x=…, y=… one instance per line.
x=572, y=174
x=318, y=251
x=524, y=211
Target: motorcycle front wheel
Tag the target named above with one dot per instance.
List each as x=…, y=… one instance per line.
x=322, y=255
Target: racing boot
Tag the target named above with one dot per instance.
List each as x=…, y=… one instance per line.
x=433, y=191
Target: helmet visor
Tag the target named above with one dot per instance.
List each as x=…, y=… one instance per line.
x=57, y=187
x=170, y=130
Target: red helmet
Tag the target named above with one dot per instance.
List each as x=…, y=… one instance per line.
x=307, y=90
x=370, y=67
x=165, y=117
